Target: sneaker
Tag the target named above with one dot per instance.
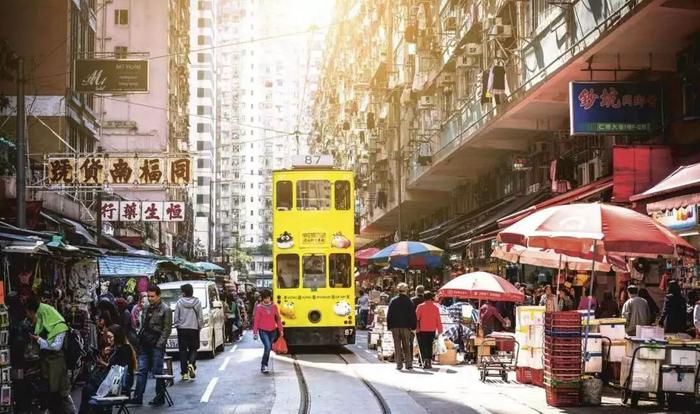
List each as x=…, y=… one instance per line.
x=265, y=370
x=191, y=371
x=157, y=401
x=399, y=368
x=136, y=401
x=185, y=377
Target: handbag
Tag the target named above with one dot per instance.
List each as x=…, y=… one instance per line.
x=112, y=384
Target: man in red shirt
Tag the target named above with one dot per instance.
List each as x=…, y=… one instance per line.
x=490, y=318
x=428, y=322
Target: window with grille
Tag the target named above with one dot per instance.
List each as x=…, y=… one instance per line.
x=121, y=17
x=120, y=52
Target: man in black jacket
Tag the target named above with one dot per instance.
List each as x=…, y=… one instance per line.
x=401, y=321
x=156, y=325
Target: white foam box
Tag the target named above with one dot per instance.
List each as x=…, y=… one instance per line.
x=529, y=315
x=537, y=358
x=613, y=328
x=645, y=374
x=617, y=351
x=677, y=378
x=682, y=357
x=536, y=336
x=655, y=333
x=373, y=338
x=657, y=350
x=594, y=344
x=594, y=363
x=524, y=358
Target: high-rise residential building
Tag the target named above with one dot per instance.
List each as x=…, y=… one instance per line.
x=204, y=125
x=156, y=122
x=268, y=69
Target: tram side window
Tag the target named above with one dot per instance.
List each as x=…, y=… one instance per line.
x=339, y=264
x=314, y=271
x=313, y=195
x=342, y=195
x=287, y=271
x=284, y=195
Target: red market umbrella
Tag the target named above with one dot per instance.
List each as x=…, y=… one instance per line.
x=481, y=286
x=549, y=258
x=362, y=256
x=574, y=229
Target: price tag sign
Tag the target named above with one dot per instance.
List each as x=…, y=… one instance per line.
x=312, y=161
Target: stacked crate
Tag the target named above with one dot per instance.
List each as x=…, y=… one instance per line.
x=562, y=358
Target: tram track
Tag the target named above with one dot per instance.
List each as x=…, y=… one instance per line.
x=304, y=395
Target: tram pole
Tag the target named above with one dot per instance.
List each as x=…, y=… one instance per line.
x=399, y=179
x=21, y=163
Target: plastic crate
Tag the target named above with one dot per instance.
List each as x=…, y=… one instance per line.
x=538, y=377
x=561, y=362
x=562, y=399
x=561, y=333
x=562, y=316
x=562, y=376
x=553, y=383
x=523, y=375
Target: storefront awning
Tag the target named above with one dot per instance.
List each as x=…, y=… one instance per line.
x=673, y=203
x=577, y=194
x=684, y=178
x=490, y=224
x=115, y=266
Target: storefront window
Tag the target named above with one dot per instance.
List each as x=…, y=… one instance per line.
x=314, y=271
x=287, y=271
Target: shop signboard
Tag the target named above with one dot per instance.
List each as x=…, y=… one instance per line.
x=142, y=211
x=620, y=108
x=118, y=170
x=678, y=219
x=111, y=75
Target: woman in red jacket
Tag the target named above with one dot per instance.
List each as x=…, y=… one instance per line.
x=428, y=317
x=266, y=324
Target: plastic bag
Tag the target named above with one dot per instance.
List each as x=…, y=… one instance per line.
x=112, y=384
x=280, y=346
x=441, y=347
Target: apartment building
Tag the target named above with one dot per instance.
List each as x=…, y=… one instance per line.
x=456, y=114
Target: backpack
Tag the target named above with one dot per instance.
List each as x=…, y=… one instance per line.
x=73, y=349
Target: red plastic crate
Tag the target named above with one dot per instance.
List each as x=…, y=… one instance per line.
x=523, y=375
x=562, y=376
x=538, y=377
x=562, y=400
x=562, y=316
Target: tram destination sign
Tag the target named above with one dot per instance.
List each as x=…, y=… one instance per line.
x=619, y=108
x=111, y=75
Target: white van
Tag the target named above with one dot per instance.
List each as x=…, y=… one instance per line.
x=211, y=337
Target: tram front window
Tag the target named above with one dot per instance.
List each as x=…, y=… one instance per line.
x=287, y=271
x=313, y=195
x=314, y=271
x=284, y=195
x=342, y=195
x=340, y=269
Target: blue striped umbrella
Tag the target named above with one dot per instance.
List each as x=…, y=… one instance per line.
x=409, y=255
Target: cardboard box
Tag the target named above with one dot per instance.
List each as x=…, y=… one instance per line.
x=677, y=378
x=645, y=374
x=483, y=350
x=448, y=358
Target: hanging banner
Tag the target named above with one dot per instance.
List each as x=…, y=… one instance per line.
x=111, y=75
x=121, y=170
x=151, y=170
x=621, y=108
x=152, y=211
x=129, y=211
x=180, y=171
x=174, y=211
x=91, y=170
x=142, y=211
x=61, y=171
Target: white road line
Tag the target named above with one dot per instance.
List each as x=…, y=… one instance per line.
x=234, y=348
x=368, y=351
x=209, y=390
x=223, y=366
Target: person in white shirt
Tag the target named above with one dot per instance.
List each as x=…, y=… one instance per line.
x=363, y=303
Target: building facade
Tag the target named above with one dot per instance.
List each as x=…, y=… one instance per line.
x=456, y=114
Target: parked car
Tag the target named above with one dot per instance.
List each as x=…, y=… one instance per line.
x=211, y=337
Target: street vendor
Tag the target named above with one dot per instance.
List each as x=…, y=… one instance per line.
x=491, y=319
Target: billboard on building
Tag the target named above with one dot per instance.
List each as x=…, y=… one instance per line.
x=620, y=108
x=111, y=75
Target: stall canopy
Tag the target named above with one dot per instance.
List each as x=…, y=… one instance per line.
x=210, y=267
x=115, y=266
x=684, y=183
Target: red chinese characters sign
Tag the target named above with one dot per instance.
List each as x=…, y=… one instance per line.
x=621, y=108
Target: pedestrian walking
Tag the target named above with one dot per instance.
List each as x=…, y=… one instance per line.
x=49, y=332
x=427, y=324
x=490, y=318
x=188, y=321
x=635, y=311
x=608, y=307
x=157, y=320
x=363, y=303
x=673, y=317
x=401, y=320
x=266, y=324
x=419, y=297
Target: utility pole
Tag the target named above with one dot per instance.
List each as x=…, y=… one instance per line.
x=398, y=181
x=211, y=219
x=21, y=149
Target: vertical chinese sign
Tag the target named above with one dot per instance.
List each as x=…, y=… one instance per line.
x=624, y=108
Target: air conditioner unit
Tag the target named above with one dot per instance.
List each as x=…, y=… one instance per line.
x=451, y=24
x=472, y=49
x=425, y=101
x=447, y=79
x=498, y=29
x=468, y=61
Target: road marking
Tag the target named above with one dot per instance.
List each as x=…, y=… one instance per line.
x=368, y=351
x=223, y=366
x=209, y=390
x=234, y=348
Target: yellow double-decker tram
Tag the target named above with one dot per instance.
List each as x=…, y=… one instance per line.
x=313, y=245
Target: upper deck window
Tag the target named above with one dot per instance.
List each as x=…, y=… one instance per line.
x=284, y=195
x=342, y=195
x=313, y=195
